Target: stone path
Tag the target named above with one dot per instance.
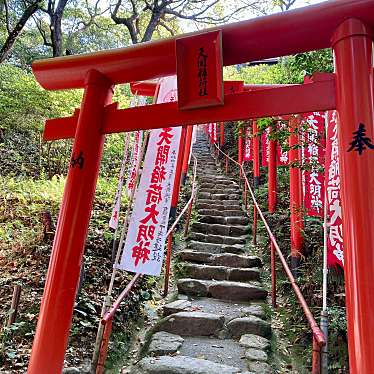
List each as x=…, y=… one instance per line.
x=217, y=323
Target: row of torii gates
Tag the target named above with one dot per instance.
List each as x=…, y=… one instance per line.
x=197, y=59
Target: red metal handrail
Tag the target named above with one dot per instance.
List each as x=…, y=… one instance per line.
x=319, y=339
x=107, y=319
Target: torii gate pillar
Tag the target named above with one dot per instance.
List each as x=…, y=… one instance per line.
x=352, y=44
x=56, y=310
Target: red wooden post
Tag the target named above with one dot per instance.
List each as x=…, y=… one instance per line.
x=256, y=174
x=352, y=44
x=296, y=195
x=222, y=134
x=186, y=154
x=56, y=310
x=316, y=357
x=272, y=203
x=174, y=203
x=104, y=347
x=272, y=176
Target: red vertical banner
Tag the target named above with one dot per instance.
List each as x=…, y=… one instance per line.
x=314, y=158
x=248, y=154
x=335, y=254
x=265, y=147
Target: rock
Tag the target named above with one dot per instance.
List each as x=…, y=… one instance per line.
x=237, y=220
x=227, y=290
x=198, y=271
x=254, y=310
x=259, y=367
x=216, y=239
x=192, y=324
x=238, y=274
x=254, y=341
x=175, y=307
x=193, y=287
x=206, y=271
x=164, y=343
x=249, y=325
x=197, y=257
x=256, y=355
x=182, y=365
x=233, y=260
x=214, y=248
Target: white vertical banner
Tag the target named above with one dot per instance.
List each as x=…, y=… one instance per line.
x=113, y=222
x=144, y=247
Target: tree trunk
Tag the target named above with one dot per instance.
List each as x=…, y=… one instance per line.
x=56, y=28
x=14, y=34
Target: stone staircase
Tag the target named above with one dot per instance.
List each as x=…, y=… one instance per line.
x=217, y=322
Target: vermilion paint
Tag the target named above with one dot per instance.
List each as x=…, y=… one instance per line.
x=56, y=310
x=303, y=29
x=296, y=194
x=186, y=153
x=272, y=176
x=352, y=44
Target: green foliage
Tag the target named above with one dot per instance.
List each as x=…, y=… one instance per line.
x=24, y=105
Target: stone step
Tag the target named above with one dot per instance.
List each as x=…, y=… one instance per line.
x=216, y=180
x=225, y=259
x=219, y=191
x=191, y=324
x=219, y=351
x=225, y=290
x=249, y=325
x=216, y=239
x=254, y=341
x=218, y=229
x=224, y=220
x=163, y=343
x=222, y=213
x=227, y=309
x=233, y=185
x=219, y=205
x=213, y=248
x=216, y=196
x=182, y=365
x=198, y=271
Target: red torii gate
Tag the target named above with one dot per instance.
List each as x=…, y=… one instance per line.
x=346, y=25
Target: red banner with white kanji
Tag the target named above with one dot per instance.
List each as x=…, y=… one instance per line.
x=314, y=159
x=335, y=251
x=248, y=154
x=144, y=247
x=265, y=151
